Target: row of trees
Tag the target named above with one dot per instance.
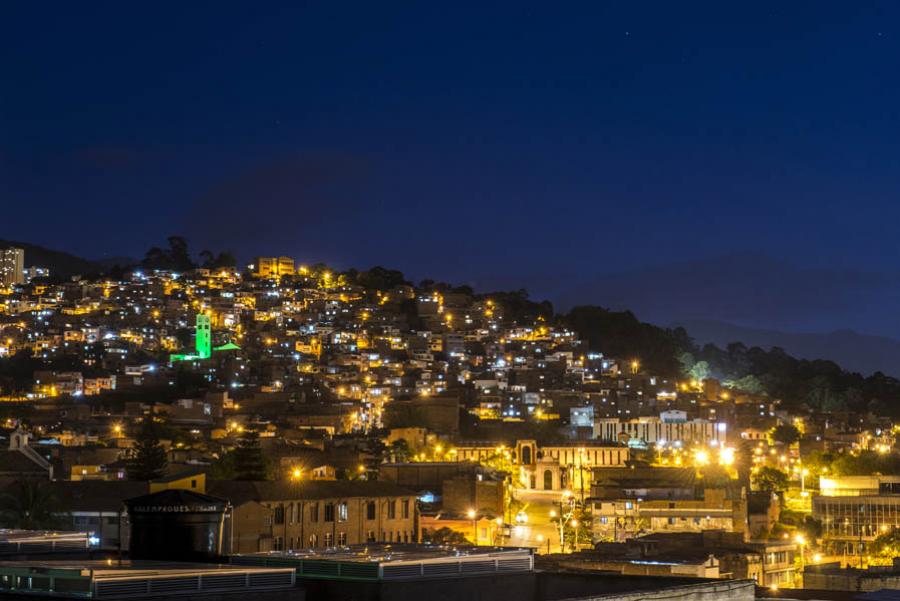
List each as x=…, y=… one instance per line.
x=147, y=459
x=819, y=384
x=177, y=257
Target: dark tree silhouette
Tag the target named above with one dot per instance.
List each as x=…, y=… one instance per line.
x=31, y=505
x=147, y=460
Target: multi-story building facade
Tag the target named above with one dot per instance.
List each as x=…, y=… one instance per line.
x=856, y=509
x=551, y=467
x=12, y=266
x=267, y=267
x=670, y=428
x=279, y=516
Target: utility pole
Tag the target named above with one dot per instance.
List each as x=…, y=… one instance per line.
x=860, y=524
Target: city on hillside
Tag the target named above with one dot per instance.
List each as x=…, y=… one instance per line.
x=304, y=413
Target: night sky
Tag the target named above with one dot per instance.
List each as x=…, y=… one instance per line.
x=496, y=144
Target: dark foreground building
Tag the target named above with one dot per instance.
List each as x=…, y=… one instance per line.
x=377, y=572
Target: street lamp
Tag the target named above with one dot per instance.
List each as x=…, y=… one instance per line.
x=801, y=540
x=575, y=542
x=473, y=516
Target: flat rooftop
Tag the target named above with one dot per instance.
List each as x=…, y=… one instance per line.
x=44, y=541
x=383, y=561
x=110, y=579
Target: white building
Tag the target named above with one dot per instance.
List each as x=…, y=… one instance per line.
x=670, y=428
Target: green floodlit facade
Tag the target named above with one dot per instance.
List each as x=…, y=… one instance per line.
x=203, y=342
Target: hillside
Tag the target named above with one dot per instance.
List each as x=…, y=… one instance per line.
x=61, y=264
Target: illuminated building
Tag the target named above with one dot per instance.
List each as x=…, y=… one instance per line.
x=202, y=341
x=12, y=266
x=854, y=510
x=203, y=338
x=671, y=427
x=267, y=267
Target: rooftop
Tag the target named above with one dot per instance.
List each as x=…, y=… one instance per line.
x=380, y=561
x=43, y=541
x=101, y=579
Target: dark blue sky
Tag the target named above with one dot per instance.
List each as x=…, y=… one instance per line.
x=499, y=144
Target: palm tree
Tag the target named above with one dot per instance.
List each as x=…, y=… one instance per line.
x=31, y=505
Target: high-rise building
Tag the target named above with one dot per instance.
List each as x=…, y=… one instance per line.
x=12, y=266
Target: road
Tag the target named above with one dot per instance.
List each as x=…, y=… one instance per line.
x=539, y=529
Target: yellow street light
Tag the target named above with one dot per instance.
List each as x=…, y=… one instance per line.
x=701, y=457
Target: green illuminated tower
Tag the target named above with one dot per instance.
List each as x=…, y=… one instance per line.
x=203, y=336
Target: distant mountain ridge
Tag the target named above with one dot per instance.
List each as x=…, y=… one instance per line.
x=851, y=350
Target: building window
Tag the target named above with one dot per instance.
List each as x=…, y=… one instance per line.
x=314, y=512
x=370, y=510
x=313, y=540
x=342, y=539
x=329, y=512
x=329, y=539
x=392, y=510
x=405, y=506
x=370, y=536
x=279, y=514
x=278, y=544
x=342, y=512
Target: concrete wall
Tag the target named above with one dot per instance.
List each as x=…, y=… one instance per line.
x=465, y=493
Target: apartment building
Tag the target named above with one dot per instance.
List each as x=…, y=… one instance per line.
x=279, y=516
x=12, y=266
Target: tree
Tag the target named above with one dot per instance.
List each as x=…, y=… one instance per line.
x=887, y=545
x=786, y=434
x=700, y=371
x=445, y=536
x=749, y=384
x=147, y=460
x=687, y=362
x=175, y=258
x=210, y=261
x=577, y=528
x=223, y=467
x=31, y=505
x=770, y=478
x=249, y=461
x=399, y=451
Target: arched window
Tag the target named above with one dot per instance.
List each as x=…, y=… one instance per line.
x=526, y=455
x=548, y=480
